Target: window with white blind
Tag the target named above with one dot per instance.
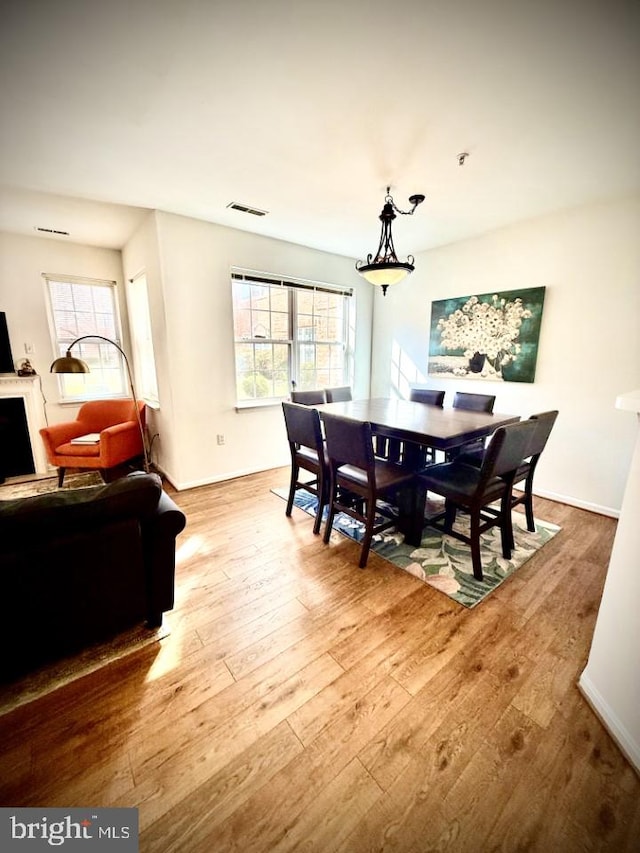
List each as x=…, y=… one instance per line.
x=144, y=362
x=289, y=330
x=79, y=307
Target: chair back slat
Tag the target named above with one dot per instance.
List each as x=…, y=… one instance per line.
x=338, y=395
x=509, y=445
x=474, y=402
x=427, y=395
x=349, y=442
x=303, y=425
x=544, y=424
x=309, y=398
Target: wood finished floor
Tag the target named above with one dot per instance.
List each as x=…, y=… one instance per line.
x=300, y=703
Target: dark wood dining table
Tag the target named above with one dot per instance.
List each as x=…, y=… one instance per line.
x=419, y=425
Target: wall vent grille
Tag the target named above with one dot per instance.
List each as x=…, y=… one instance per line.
x=244, y=208
x=51, y=231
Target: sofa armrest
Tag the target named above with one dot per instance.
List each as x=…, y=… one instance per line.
x=159, y=532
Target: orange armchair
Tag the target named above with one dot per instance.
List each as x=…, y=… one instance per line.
x=120, y=437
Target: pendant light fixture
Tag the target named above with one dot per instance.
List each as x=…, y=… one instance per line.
x=384, y=268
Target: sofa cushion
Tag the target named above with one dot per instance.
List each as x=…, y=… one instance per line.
x=134, y=496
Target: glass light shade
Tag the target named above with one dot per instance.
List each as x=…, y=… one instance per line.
x=385, y=273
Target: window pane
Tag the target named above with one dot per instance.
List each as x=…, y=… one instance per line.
x=261, y=324
x=280, y=326
x=87, y=308
x=280, y=300
x=265, y=314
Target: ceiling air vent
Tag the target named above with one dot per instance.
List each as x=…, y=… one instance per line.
x=243, y=208
x=51, y=231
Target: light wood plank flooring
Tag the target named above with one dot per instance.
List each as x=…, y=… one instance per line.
x=301, y=703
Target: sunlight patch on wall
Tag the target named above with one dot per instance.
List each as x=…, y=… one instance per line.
x=404, y=372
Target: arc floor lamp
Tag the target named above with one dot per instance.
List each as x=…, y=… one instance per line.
x=70, y=364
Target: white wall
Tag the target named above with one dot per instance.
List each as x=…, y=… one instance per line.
x=22, y=296
x=589, y=261
x=142, y=254
x=190, y=263
x=611, y=679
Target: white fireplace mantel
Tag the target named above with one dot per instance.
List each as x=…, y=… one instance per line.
x=28, y=387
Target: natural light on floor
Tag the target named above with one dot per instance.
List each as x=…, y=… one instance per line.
x=172, y=649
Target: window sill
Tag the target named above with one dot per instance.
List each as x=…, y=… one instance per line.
x=246, y=405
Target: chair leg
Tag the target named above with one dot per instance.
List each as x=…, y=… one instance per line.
x=368, y=536
x=61, y=477
x=450, y=510
x=322, y=499
x=333, y=494
x=528, y=508
x=506, y=526
x=475, y=546
x=292, y=489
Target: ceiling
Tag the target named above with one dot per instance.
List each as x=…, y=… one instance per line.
x=308, y=109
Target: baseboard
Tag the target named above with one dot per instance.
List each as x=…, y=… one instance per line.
x=231, y=475
x=629, y=748
x=571, y=501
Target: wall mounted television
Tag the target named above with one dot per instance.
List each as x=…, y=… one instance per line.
x=6, y=357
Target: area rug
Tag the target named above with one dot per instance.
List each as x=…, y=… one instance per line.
x=43, y=485
x=49, y=678
x=442, y=561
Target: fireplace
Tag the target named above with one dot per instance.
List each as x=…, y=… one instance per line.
x=21, y=418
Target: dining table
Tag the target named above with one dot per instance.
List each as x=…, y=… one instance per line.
x=419, y=425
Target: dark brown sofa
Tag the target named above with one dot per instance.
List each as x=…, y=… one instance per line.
x=82, y=565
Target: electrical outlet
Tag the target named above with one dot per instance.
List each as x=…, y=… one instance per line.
x=220, y=438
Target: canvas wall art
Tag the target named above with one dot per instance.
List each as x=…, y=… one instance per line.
x=490, y=336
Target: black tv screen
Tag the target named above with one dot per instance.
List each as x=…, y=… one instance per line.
x=6, y=358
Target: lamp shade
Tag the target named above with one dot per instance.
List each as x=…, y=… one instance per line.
x=385, y=273
x=69, y=364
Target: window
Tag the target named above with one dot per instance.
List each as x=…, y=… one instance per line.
x=79, y=307
x=289, y=330
x=140, y=322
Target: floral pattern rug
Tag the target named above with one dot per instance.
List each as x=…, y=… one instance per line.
x=442, y=561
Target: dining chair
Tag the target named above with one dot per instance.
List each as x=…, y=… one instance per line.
x=339, y=395
x=308, y=452
x=544, y=422
x=472, y=403
x=471, y=489
x=427, y=395
x=309, y=398
x=354, y=470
